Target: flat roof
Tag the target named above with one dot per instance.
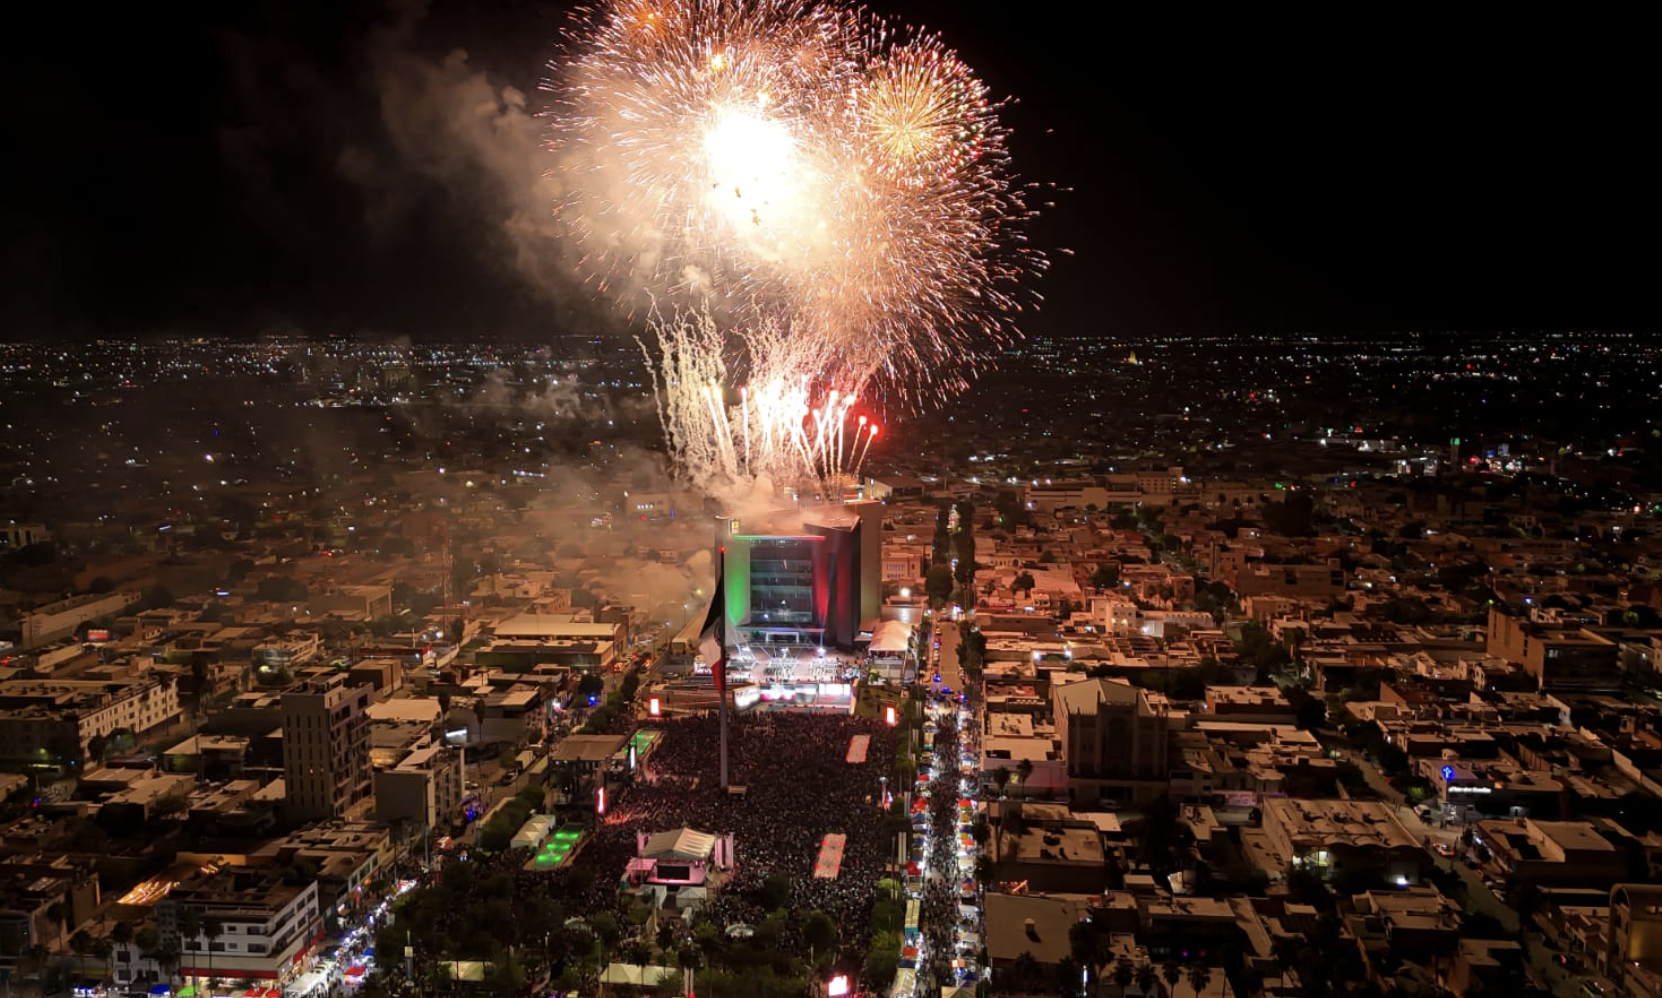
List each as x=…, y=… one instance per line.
x=587, y=748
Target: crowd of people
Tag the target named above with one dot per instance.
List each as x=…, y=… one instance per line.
x=798, y=787
x=946, y=880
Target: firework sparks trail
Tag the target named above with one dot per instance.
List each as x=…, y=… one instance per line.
x=780, y=427
x=832, y=192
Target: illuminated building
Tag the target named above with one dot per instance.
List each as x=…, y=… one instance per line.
x=267, y=926
x=803, y=578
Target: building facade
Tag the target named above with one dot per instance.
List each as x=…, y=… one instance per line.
x=326, y=748
x=1114, y=738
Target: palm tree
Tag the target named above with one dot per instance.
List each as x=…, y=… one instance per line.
x=104, y=949
x=82, y=943
x=190, y=929
x=1026, y=971
x=121, y=934
x=1124, y=973
x=212, y=928
x=1024, y=769
x=59, y=912
x=167, y=957
x=1200, y=975
x=1147, y=978
x=1069, y=973
x=1172, y=972
x=1001, y=779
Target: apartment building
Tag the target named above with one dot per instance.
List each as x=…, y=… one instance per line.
x=266, y=926
x=56, y=720
x=326, y=748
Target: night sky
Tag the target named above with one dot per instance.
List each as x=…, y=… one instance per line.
x=237, y=169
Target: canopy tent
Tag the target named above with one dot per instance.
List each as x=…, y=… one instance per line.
x=892, y=637
x=636, y=975
x=680, y=844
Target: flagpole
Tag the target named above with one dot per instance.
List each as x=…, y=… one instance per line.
x=721, y=659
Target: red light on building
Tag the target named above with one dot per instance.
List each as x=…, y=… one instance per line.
x=890, y=717
x=837, y=986
x=654, y=707
x=600, y=800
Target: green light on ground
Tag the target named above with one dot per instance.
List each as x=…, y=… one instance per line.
x=555, y=851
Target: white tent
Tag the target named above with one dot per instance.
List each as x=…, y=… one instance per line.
x=532, y=834
x=636, y=975
x=681, y=844
x=892, y=637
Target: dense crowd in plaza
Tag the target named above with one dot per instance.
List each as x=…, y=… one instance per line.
x=798, y=788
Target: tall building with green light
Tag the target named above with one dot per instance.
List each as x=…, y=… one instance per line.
x=803, y=577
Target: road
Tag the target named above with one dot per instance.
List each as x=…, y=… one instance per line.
x=952, y=673
x=1482, y=899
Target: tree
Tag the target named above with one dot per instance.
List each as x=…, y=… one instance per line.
x=59, y=912
x=190, y=927
x=1124, y=972
x=122, y=933
x=606, y=929
x=83, y=945
x=1200, y=975
x=212, y=929
x=167, y=958
x=1147, y=978
x=820, y=932
x=1001, y=780
x=103, y=949
x=776, y=890
x=1172, y=972
x=1028, y=973
x=939, y=584
x=169, y=805
x=1068, y=976
x=1106, y=576
x=1023, y=582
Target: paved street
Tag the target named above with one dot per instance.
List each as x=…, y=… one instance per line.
x=952, y=674
x=1482, y=899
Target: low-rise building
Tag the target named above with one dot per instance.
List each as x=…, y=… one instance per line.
x=267, y=926
x=1263, y=704
x=1470, y=790
x=58, y=719
x=1526, y=852
x=424, y=787
x=1049, y=857
x=1344, y=836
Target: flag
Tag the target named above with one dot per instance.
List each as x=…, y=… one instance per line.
x=713, y=638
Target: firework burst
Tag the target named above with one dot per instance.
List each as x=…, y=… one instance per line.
x=834, y=192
